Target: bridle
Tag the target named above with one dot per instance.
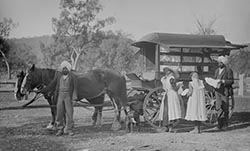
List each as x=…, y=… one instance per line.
x=38, y=86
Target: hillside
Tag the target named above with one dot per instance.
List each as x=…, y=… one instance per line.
x=34, y=43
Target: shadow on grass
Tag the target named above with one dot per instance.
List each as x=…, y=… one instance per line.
x=91, y=132
x=240, y=117
x=239, y=120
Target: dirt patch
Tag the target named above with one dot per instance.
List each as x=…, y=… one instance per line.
x=24, y=129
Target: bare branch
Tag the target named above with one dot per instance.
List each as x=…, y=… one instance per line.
x=205, y=29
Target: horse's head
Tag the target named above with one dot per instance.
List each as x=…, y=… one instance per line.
x=18, y=86
x=31, y=80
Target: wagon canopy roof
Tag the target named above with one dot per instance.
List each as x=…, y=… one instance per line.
x=185, y=40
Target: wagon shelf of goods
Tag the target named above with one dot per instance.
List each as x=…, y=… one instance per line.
x=181, y=52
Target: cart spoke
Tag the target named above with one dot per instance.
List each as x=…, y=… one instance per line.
x=152, y=116
x=152, y=104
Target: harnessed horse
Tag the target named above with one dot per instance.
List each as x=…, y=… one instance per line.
x=47, y=75
x=17, y=93
x=92, y=86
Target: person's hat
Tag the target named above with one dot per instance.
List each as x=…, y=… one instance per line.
x=192, y=73
x=175, y=72
x=223, y=59
x=65, y=64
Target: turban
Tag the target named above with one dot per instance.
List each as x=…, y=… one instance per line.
x=65, y=64
x=223, y=59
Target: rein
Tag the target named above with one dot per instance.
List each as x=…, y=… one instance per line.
x=104, y=91
x=37, y=96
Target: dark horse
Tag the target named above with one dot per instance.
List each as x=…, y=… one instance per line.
x=18, y=95
x=92, y=86
x=48, y=75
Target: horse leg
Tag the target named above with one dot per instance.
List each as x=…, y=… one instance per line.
x=94, y=117
x=99, y=117
x=51, y=125
x=116, y=124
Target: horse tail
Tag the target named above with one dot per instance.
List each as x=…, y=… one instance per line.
x=123, y=97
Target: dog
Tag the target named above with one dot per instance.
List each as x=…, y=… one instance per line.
x=131, y=122
x=134, y=112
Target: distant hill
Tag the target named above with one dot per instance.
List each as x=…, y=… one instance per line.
x=34, y=43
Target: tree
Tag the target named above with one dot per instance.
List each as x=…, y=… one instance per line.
x=51, y=56
x=4, y=48
x=20, y=55
x=240, y=62
x=78, y=30
x=205, y=28
x=5, y=27
x=116, y=53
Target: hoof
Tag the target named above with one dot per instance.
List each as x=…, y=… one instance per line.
x=93, y=123
x=59, y=133
x=50, y=127
x=98, y=126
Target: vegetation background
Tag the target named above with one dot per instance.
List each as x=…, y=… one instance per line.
x=80, y=38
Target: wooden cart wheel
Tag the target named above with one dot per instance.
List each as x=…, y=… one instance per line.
x=151, y=106
x=210, y=107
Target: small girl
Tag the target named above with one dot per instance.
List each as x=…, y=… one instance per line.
x=173, y=101
x=196, y=110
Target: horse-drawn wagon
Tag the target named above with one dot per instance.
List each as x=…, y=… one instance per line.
x=184, y=53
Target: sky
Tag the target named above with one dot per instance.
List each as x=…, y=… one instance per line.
x=139, y=17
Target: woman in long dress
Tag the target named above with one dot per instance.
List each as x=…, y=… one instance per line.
x=174, y=108
x=196, y=110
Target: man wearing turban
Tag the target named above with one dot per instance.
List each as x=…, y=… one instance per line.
x=222, y=93
x=65, y=92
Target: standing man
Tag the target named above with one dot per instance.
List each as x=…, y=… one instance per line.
x=222, y=93
x=65, y=92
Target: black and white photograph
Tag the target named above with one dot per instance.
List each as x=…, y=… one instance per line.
x=124, y=75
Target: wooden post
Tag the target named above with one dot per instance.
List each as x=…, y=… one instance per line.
x=241, y=84
x=157, y=63
x=144, y=59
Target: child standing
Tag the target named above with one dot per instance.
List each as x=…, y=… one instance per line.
x=196, y=110
x=173, y=102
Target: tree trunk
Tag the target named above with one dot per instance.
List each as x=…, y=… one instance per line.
x=74, y=58
x=7, y=64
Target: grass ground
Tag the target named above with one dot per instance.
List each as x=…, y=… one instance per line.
x=24, y=129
